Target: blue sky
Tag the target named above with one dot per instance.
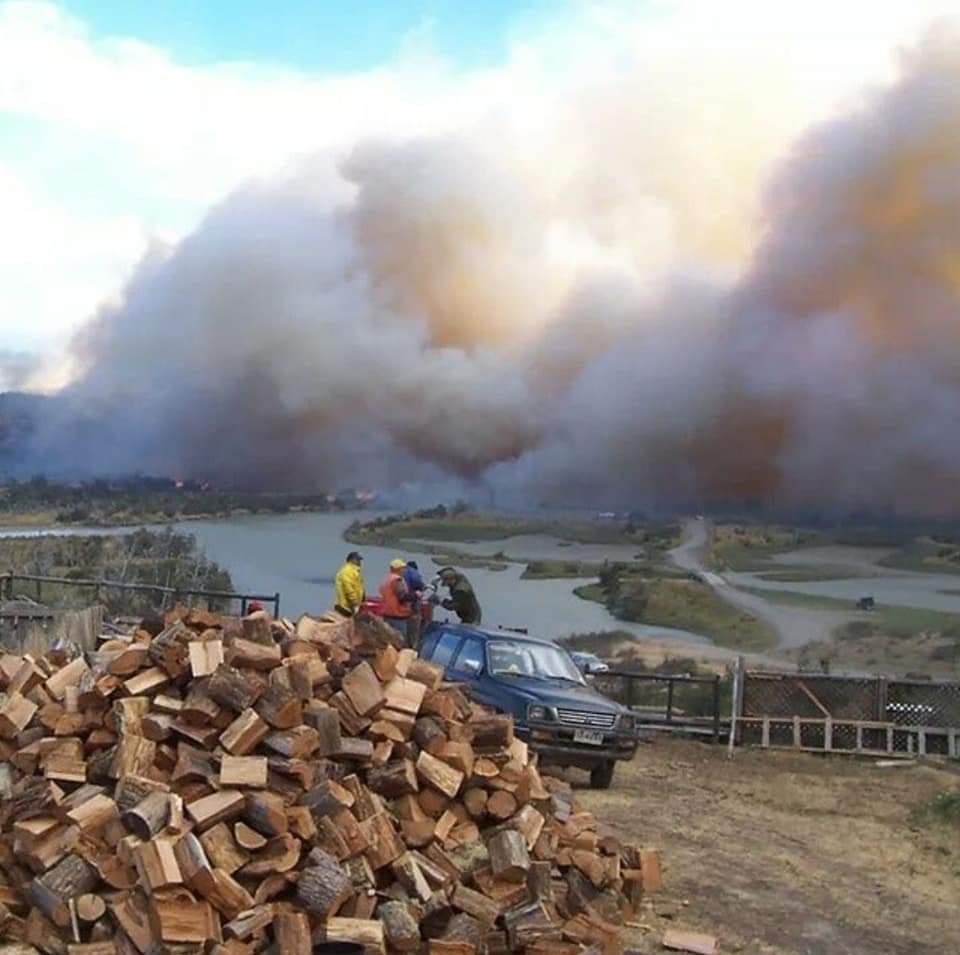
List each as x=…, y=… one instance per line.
x=312, y=34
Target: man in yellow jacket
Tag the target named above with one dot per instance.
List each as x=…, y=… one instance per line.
x=350, y=591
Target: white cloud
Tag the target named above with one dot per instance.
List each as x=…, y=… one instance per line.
x=55, y=268
x=734, y=83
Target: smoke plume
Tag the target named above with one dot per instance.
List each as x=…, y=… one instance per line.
x=582, y=311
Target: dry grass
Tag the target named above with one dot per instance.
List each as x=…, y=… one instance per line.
x=790, y=854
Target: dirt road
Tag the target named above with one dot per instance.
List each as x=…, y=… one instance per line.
x=795, y=626
x=789, y=854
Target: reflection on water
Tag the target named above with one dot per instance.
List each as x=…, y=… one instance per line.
x=297, y=555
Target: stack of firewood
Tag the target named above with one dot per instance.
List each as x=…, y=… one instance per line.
x=238, y=786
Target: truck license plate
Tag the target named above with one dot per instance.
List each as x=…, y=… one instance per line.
x=588, y=736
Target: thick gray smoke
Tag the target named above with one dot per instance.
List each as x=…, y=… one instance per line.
x=16, y=367
x=455, y=316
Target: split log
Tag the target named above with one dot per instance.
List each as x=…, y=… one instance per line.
x=65, y=677
x=527, y=923
x=265, y=812
x=280, y=707
x=291, y=932
x=250, y=924
x=385, y=846
x=404, y=696
x=244, y=734
x=222, y=849
x=157, y=864
x=429, y=674
x=180, y=920
x=476, y=904
x=226, y=895
x=695, y=942
x=205, y=656
x=170, y=650
x=509, y=859
x=243, y=771
x=394, y=780
x=280, y=855
x=90, y=907
x=15, y=715
x=475, y=802
x=363, y=689
x=193, y=863
x=501, y=804
x=53, y=891
x=323, y=886
x=297, y=743
x=132, y=756
x=146, y=681
x=149, y=815
x=529, y=822
x=439, y=774
x=540, y=881
x=255, y=656
x=217, y=807
x=408, y=872
x=231, y=688
x=650, y=867
x=400, y=928
x=326, y=721
x=494, y=733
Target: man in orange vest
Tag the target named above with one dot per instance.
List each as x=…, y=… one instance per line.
x=396, y=597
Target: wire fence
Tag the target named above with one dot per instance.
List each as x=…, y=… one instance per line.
x=128, y=598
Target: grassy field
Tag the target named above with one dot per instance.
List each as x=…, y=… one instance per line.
x=560, y=569
x=781, y=853
x=890, y=638
x=747, y=548
x=927, y=555
x=682, y=605
x=800, y=575
x=442, y=524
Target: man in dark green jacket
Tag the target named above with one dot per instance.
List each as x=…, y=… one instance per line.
x=462, y=600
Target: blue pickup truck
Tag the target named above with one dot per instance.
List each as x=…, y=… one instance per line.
x=554, y=710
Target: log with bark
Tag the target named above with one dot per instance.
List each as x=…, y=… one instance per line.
x=255, y=786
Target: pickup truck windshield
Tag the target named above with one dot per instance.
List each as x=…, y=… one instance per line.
x=531, y=659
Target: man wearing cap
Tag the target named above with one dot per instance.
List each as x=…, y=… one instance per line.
x=350, y=591
x=462, y=601
x=396, y=598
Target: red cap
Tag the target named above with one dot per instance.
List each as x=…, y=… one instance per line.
x=254, y=606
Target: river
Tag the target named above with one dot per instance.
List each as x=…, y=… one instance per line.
x=297, y=555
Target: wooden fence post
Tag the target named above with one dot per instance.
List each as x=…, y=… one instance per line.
x=736, y=705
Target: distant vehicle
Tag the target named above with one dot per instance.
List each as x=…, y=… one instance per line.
x=567, y=722
x=588, y=663
x=866, y=603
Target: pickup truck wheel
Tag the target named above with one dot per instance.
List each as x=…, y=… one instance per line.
x=602, y=776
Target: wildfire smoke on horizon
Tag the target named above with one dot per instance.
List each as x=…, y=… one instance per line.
x=586, y=310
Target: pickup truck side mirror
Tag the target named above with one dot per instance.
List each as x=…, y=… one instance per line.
x=473, y=667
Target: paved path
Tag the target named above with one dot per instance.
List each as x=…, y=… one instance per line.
x=795, y=626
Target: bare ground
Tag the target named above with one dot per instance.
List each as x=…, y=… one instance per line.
x=781, y=853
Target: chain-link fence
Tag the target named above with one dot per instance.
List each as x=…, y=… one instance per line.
x=817, y=711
